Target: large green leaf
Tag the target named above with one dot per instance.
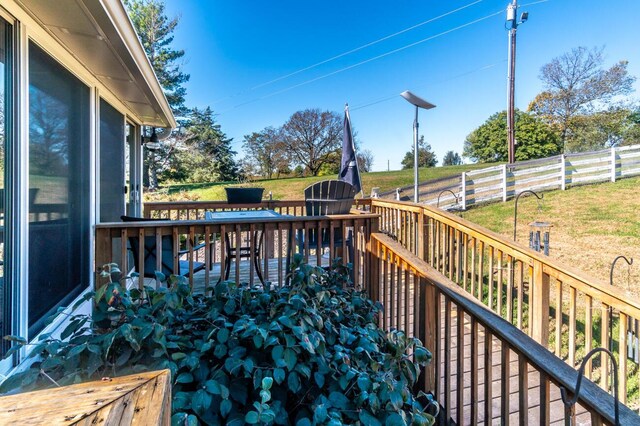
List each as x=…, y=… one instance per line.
x=368, y=419
x=201, y=401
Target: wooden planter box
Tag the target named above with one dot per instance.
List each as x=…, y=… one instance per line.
x=244, y=195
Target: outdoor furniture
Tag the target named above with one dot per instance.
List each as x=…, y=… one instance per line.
x=166, y=257
x=324, y=198
x=235, y=252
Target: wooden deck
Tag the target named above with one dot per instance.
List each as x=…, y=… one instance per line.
x=557, y=409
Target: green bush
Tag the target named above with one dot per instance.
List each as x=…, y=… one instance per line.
x=308, y=353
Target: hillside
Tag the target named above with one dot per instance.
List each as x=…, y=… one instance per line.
x=293, y=188
x=592, y=225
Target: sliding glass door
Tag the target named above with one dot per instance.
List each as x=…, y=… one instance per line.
x=59, y=186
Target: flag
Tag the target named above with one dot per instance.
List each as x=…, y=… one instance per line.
x=349, y=165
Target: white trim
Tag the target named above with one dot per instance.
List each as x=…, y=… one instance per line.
x=122, y=23
x=21, y=317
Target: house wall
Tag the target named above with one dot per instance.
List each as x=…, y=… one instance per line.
x=27, y=29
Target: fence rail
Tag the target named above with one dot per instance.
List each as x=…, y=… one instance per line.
x=557, y=306
x=466, y=338
x=504, y=181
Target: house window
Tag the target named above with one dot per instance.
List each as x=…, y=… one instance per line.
x=59, y=187
x=5, y=134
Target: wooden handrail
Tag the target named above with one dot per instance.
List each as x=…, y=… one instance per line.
x=613, y=296
x=143, y=398
x=520, y=284
x=594, y=399
x=186, y=206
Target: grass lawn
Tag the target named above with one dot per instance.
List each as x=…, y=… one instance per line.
x=293, y=188
x=592, y=224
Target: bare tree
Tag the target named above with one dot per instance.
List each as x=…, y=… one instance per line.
x=365, y=160
x=576, y=84
x=266, y=152
x=312, y=136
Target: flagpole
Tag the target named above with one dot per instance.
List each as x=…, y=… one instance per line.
x=353, y=146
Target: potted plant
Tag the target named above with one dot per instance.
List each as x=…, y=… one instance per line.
x=246, y=193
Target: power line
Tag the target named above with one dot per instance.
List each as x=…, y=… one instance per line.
x=391, y=52
x=395, y=95
x=366, y=45
x=349, y=52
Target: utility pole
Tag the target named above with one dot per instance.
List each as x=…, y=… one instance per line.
x=512, y=13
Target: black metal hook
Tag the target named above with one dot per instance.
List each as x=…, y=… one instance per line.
x=570, y=404
x=613, y=265
x=515, y=214
x=442, y=192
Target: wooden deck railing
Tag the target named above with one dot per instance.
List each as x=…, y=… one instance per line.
x=139, y=399
x=559, y=307
x=484, y=369
x=271, y=243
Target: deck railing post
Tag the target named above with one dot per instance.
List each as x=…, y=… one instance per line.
x=428, y=317
x=539, y=305
x=104, y=251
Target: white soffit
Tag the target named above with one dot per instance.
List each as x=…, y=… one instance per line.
x=100, y=35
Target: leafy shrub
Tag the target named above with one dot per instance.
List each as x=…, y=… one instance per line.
x=308, y=353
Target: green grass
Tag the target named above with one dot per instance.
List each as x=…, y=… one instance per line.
x=293, y=188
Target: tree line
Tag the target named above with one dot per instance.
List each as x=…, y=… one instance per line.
x=308, y=143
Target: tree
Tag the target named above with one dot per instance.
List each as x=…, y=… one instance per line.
x=206, y=136
x=311, y=137
x=365, y=160
x=604, y=129
x=451, y=159
x=426, y=157
x=155, y=31
x=266, y=152
x=576, y=84
x=534, y=139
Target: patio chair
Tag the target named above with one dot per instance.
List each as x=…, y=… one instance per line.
x=244, y=252
x=151, y=255
x=323, y=198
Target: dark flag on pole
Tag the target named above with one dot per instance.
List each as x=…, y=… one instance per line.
x=349, y=165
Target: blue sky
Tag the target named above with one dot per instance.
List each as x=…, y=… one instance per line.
x=233, y=47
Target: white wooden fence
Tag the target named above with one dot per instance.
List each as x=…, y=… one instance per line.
x=504, y=181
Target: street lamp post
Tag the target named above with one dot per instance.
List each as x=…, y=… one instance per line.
x=418, y=103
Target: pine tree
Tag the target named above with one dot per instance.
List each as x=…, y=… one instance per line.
x=206, y=136
x=155, y=31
